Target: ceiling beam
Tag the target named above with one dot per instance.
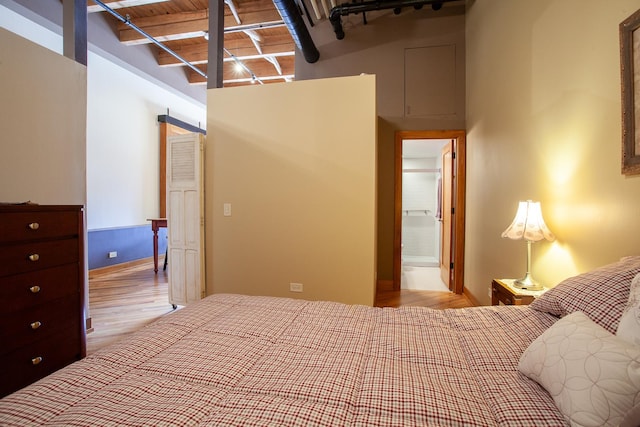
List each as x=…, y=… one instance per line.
x=176, y=26
x=118, y=4
x=261, y=68
x=197, y=53
x=264, y=80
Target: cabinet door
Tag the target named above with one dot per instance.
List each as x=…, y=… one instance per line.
x=185, y=218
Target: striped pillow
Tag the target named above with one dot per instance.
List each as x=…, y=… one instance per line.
x=601, y=294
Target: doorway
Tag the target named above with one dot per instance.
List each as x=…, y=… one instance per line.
x=432, y=209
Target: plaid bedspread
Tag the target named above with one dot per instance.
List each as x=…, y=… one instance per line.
x=232, y=360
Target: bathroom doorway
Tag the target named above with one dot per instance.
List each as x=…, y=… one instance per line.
x=429, y=210
x=422, y=214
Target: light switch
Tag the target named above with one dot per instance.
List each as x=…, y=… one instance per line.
x=227, y=209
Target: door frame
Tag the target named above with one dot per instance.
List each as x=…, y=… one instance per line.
x=458, y=203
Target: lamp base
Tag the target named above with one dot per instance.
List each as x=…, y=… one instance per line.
x=527, y=283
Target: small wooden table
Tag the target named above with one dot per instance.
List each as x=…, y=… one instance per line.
x=156, y=224
x=503, y=291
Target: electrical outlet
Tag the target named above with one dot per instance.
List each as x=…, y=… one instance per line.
x=489, y=292
x=113, y=254
x=227, y=209
x=295, y=287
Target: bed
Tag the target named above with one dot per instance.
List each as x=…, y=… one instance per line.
x=234, y=360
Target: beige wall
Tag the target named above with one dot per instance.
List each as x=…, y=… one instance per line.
x=43, y=122
x=297, y=163
x=379, y=48
x=543, y=122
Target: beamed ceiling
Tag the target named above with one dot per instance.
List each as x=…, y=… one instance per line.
x=254, y=35
x=258, y=47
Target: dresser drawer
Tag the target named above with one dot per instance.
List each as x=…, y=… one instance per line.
x=35, y=323
x=33, y=225
x=27, y=257
x=28, y=364
x=38, y=287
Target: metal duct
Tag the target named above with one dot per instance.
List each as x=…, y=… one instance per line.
x=292, y=19
x=367, y=6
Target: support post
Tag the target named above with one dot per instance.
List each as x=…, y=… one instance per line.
x=216, y=44
x=74, y=30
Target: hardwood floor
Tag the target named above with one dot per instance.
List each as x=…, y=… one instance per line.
x=433, y=299
x=123, y=299
x=126, y=297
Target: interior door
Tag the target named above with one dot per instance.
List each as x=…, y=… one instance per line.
x=185, y=218
x=445, y=224
x=453, y=190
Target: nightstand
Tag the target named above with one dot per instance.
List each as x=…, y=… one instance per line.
x=503, y=291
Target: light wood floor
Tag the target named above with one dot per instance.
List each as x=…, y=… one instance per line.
x=126, y=297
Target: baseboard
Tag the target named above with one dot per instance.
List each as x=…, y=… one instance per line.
x=473, y=299
x=135, y=262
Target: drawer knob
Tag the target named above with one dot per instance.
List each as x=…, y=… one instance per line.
x=34, y=226
x=34, y=289
x=36, y=324
x=36, y=360
x=34, y=257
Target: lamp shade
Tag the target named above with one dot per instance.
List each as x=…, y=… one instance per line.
x=528, y=224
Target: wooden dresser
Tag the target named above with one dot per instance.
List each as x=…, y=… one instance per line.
x=42, y=292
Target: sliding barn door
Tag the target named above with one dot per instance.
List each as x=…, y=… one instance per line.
x=185, y=218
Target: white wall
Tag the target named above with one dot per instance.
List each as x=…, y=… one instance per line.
x=419, y=194
x=122, y=133
x=123, y=143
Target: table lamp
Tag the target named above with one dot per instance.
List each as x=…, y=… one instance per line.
x=529, y=225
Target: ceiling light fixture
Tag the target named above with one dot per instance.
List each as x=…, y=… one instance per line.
x=241, y=66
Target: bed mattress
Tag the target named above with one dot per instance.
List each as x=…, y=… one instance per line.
x=233, y=360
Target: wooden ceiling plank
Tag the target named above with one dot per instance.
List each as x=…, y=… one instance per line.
x=287, y=49
x=166, y=19
x=244, y=7
x=243, y=42
x=197, y=53
x=249, y=18
x=162, y=33
x=259, y=67
x=118, y=4
x=265, y=56
x=191, y=24
x=182, y=24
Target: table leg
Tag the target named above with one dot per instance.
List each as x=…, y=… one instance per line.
x=155, y=247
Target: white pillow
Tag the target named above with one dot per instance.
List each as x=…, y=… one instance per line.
x=629, y=326
x=592, y=375
x=632, y=419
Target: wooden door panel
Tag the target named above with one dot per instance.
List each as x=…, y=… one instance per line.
x=445, y=224
x=185, y=218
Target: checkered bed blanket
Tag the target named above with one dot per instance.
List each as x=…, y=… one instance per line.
x=232, y=360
